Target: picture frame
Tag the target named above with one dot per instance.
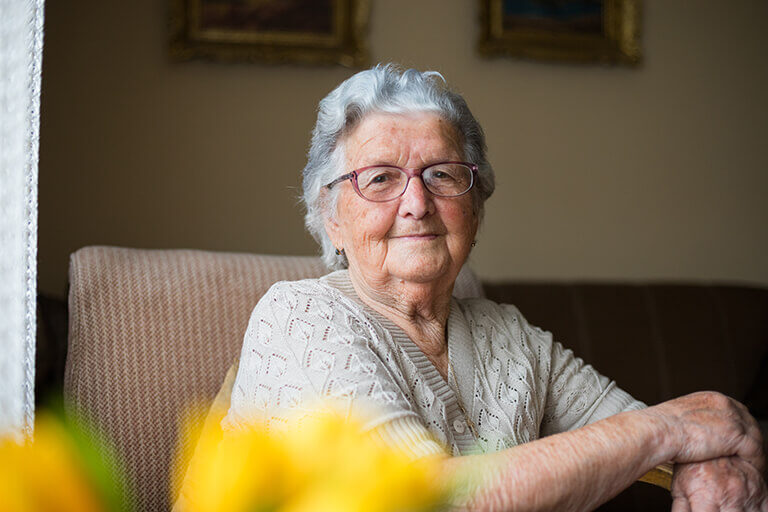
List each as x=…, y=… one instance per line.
x=586, y=31
x=275, y=31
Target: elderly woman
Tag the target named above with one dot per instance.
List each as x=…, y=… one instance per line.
x=394, y=188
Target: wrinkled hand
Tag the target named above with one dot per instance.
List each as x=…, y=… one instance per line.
x=725, y=484
x=709, y=425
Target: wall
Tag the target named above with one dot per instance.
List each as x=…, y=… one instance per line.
x=607, y=173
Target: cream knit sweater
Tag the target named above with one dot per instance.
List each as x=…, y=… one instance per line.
x=315, y=339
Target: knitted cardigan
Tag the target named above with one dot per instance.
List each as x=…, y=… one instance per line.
x=314, y=340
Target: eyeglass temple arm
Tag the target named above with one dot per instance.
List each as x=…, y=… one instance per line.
x=339, y=180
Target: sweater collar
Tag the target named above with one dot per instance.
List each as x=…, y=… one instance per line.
x=460, y=352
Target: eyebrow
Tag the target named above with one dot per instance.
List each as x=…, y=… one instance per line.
x=431, y=162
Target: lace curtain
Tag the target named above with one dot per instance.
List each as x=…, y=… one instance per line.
x=21, y=49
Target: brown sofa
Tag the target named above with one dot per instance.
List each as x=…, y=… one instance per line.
x=658, y=341
x=151, y=331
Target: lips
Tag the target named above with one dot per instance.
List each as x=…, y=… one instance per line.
x=418, y=235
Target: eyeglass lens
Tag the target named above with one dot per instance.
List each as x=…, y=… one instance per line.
x=385, y=183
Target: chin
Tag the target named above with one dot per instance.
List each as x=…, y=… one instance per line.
x=421, y=270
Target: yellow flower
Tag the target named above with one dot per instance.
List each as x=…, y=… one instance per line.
x=349, y=470
x=50, y=474
x=323, y=463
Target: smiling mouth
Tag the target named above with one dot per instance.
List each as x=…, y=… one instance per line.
x=425, y=236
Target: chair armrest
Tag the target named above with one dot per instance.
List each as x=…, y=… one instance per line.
x=661, y=476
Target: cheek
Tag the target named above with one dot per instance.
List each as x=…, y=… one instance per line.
x=461, y=219
x=368, y=222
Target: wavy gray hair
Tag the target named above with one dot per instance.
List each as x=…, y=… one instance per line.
x=388, y=89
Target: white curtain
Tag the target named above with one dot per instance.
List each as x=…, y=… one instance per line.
x=21, y=50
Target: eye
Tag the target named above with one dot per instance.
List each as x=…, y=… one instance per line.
x=444, y=173
x=379, y=178
x=448, y=179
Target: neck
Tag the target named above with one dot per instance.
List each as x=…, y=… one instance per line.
x=420, y=309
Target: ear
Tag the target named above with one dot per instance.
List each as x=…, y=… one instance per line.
x=333, y=230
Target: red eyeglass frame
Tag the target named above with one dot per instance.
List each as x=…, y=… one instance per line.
x=410, y=172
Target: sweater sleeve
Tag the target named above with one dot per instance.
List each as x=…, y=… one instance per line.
x=305, y=349
x=576, y=394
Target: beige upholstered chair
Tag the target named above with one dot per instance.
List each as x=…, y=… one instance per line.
x=152, y=331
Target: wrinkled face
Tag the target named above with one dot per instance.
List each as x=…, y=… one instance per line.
x=418, y=237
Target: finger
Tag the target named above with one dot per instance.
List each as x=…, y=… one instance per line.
x=751, y=448
x=753, y=432
x=753, y=489
x=757, y=438
x=699, y=504
x=681, y=505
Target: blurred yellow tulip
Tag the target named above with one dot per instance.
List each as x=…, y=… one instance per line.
x=53, y=473
x=317, y=464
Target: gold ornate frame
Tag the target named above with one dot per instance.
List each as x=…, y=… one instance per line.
x=346, y=45
x=619, y=42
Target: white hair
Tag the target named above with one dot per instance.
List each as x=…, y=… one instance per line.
x=385, y=88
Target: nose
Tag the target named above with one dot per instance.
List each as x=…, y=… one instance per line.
x=417, y=201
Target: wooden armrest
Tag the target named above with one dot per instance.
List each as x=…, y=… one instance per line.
x=661, y=475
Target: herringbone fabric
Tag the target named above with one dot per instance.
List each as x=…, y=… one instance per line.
x=152, y=332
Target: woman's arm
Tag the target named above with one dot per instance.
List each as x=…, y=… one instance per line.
x=576, y=470
x=580, y=469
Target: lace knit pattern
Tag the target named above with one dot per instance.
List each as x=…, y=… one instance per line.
x=314, y=339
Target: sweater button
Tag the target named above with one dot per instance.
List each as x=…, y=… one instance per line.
x=458, y=426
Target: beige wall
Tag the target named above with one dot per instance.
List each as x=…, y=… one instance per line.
x=659, y=172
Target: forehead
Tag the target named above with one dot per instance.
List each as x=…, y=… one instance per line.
x=402, y=139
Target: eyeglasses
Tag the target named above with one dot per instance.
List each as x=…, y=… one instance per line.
x=380, y=183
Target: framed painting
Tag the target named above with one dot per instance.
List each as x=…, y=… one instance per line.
x=307, y=31
x=604, y=31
